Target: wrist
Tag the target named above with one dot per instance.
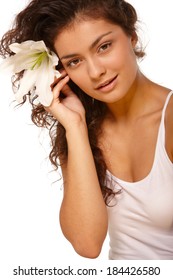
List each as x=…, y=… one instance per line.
x=75, y=130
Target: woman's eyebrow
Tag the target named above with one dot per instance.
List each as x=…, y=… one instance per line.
x=91, y=47
x=99, y=39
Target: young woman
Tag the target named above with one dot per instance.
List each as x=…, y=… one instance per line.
x=110, y=126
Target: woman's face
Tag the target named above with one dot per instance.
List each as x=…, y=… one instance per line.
x=98, y=57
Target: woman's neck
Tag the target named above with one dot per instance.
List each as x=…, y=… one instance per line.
x=134, y=104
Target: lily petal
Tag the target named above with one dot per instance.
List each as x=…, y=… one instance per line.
x=44, y=80
x=27, y=83
x=7, y=65
x=28, y=45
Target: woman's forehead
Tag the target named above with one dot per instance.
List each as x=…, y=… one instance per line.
x=81, y=33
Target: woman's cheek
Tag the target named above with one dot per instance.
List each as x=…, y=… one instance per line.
x=78, y=79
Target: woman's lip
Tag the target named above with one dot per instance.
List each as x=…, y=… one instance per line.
x=108, y=86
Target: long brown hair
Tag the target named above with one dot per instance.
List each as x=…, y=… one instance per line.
x=43, y=20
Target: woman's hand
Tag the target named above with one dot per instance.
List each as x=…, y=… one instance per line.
x=69, y=109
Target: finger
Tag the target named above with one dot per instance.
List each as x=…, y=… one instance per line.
x=59, y=86
x=67, y=91
x=56, y=80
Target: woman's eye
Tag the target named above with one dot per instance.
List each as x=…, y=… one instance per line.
x=73, y=62
x=104, y=47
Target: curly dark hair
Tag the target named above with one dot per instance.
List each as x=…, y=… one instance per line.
x=43, y=20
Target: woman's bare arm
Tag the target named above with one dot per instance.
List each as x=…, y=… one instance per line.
x=83, y=214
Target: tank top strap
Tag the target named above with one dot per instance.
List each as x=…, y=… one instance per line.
x=162, y=124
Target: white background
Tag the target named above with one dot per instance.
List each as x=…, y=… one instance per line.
x=29, y=201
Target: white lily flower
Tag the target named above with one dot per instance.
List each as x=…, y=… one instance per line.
x=38, y=63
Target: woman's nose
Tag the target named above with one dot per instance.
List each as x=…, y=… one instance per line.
x=95, y=69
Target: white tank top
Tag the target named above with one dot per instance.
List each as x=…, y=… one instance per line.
x=141, y=218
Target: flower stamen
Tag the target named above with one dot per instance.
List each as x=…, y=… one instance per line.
x=38, y=61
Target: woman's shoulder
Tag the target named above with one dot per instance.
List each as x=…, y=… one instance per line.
x=159, y=93
x=157, y=98
x=164, y=96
